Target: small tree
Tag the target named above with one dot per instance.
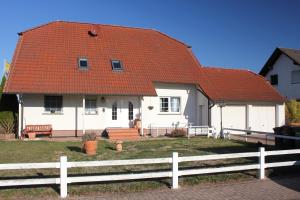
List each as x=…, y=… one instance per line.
x=292, y=111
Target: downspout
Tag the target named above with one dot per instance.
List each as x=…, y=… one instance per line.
x=20, y=115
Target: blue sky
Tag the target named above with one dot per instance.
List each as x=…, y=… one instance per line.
x=225, y=33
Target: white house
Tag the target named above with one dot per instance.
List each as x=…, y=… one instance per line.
x=282, y=70
x=81, y=76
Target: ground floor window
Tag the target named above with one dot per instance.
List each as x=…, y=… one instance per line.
x=91, y=106
x=130, y=111
x=114, y=114
x=53, y=104
x=169, y=104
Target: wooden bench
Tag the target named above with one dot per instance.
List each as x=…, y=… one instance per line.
x=37, y=130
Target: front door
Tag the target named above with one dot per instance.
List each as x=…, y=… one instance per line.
x=121, y=112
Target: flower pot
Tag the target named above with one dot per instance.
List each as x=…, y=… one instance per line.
x=119, y=146
x=90, y=147
x=31, y=135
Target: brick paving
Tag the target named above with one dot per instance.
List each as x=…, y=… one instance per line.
x=275, y=189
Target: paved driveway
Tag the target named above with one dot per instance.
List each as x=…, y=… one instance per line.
x=280, y=188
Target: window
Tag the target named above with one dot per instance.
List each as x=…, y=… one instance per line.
x=274, y=79
x=83, y=63
x=53, y=104
x=170, y=104
x=296, y=76
x=130, y=111
x=91, y=106
x=114, y=114
x=116, y=65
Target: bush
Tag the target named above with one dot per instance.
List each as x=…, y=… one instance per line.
x=89, y=137
x=292, y=111
x=178, y=133
x=7, y=122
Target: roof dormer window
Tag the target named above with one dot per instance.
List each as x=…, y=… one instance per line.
x=83, y=63
x=116, y=65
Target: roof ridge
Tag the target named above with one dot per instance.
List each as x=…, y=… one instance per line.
x=222, y=68
x=111, y=25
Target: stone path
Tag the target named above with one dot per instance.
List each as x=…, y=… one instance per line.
x=269, y=189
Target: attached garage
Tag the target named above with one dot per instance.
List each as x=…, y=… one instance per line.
x=263, y=118
x=234, y=116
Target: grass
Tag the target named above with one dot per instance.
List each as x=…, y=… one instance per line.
x=43, y=151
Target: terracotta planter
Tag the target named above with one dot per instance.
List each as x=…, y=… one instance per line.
x=90, y=147
x=119, y=146
x=7, y=136
x=31, y=136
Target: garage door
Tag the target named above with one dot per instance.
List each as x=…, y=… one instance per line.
x=234, y=116
x=263, y=118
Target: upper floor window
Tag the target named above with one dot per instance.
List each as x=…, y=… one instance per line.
x=274, y=79
x=83, y=63
x=53, y=104
x=296, y=76
x=116, y=65
x=91, y=106
x=169, y=104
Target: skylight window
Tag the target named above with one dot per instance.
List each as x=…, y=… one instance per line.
x=116, y=65
x=83, y=63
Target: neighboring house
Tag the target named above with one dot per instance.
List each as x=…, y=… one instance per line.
x=80, y=76
x=282, y=70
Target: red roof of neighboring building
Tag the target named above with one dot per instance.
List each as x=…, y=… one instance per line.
x=236, y=85
x=46, y=60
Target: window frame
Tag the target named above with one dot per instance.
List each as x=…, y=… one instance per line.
x=292, y=82
x=83, y=67
x=53, y=110
x=271, y=79
x=89, y=110
x=116, y=61
x=130, y=110
x=114, y=112
x=169, y=105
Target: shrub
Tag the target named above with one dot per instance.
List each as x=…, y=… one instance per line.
x=7, y=122
x=292, y=111
x=89, y=137
x=178, y=133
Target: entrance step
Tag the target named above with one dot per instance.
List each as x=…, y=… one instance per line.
x=123, y=134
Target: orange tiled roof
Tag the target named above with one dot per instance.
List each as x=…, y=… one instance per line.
x=46, y=60
x=236, y=85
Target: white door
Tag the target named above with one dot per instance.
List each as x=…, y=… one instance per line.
x=121, y=112
x=234, y=116
x=263, y=118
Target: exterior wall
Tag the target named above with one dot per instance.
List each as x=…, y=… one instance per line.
x=71, y=117
x=257, y=116
x=190, y=99
x=283, y=67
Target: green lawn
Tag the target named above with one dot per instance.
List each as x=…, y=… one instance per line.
x=43, y=151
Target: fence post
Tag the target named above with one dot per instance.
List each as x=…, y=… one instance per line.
x=63, y=177
x=262, y=163
x=175, y=170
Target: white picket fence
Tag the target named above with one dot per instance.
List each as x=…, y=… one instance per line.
x=174, y=173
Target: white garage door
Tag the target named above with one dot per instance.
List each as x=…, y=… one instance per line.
x=234, y=116
x=263, y=118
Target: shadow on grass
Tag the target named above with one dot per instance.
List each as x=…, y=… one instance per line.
x=75, y=149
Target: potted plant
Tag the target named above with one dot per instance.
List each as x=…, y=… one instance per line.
x=89, y=143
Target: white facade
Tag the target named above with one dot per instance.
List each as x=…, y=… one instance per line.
x=251, y=115
x=284, y=67
x=193, y=109
x=71, y=117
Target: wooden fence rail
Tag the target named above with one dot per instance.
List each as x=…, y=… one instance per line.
x=175, y=172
